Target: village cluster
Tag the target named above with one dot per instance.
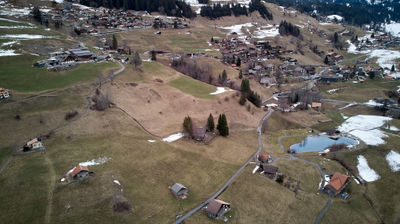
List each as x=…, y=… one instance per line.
x=99, y=21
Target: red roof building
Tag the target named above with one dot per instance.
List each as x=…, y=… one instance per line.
x=337, y=183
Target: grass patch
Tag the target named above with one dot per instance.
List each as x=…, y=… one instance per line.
x=193, y=87
x=17, y=74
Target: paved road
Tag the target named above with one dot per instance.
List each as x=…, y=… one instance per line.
x=324, y=210
x=322, y=173
x=223, y=188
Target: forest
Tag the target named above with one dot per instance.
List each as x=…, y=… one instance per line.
x=168, y=7
x=354, y=12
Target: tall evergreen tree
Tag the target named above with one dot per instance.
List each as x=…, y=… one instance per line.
x=114, y=42
x=240, y=74
x=326, y=60
x=223, y=125
x=242, y=99
x=153, y=55
x=137, y=61
x=37, y=15
x=188, y=126
x=210, y=123
x=392, y=69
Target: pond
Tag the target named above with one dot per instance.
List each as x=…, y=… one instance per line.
x=319, y=143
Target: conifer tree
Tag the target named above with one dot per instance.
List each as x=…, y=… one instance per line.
x=223, y=125
x=114, y=42
x=188, y=126
x=210, y=123
x=240, y=74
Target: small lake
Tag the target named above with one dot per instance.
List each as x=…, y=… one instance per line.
x=319, y=143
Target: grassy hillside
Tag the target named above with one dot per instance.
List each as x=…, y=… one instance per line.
x=17, y=74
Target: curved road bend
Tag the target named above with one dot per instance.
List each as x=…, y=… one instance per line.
x=292, y=157
x=88, y=96
x=223, y=188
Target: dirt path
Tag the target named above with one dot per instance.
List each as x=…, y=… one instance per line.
x=223, y=188
x=49, y=208
x=49, y=162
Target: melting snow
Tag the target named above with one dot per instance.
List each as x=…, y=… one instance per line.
x=331, y=91
x=365, y=171
x=266, y=31
x=385, y=58
x=92, y=162
x=220, y=90
x=173, y=137
x=151, y=140
x=373, y=103
x=16, y=27
x=23, y=36
x=117, y=182
x=393, y=28
x=7, y=53
x=332, y=17
x=255, y=169
x=393, y=159
x=366, y=128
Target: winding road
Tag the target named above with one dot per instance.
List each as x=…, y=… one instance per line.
x=223, y=188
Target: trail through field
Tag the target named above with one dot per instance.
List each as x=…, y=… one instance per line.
x=49, y=208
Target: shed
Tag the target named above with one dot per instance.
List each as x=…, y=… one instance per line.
x=35, y=143
x=80, y=173
x=270, y=171
x=199, y=134
x=179, y=190
x=217, y=208
x=337, y=183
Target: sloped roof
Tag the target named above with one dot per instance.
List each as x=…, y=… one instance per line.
x=177, y=187
x=32, y=141
x=316, y=104
x=78, y=169
x=215, y=205
x=263, y=157
x=337, y=181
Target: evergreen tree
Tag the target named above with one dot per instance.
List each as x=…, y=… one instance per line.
x=371, y=74
x=37, y=15
x=238, y=62
x=245, y=86
x=242, y=99
x=372, y=35
x=188, y=126
x=392, y=69
x=223, y=126
x=240, y=74
x=137, y=61
x=153, y=55
x=114, y=42
x=210, y=123
x=224, y=76
x=326, y=60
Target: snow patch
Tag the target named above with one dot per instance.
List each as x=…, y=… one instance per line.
x=7, y=53
x=393, y=28
x=220, y=90
x=23, y=36
x=366, y=128
x=373, y=103
x=173, y=137
x=393, y=159
x=117, y=182
x=333, y=17
x=255, y=169
x=151, y=140
x=365, y=171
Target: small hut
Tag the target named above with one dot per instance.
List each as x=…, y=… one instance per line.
x=179, y=190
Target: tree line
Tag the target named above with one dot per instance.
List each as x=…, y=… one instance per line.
x=220, y=10
x=176, y=8
x=222, y=125
x=286, y=28
x=355, y=13
x=247, y=93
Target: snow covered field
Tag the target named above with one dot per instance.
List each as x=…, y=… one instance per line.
x=393, y=28
x=385, y=58
x=366, y=128
x=173, y=137
x=393, y=159
x=365, y=171
x=266, y=31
